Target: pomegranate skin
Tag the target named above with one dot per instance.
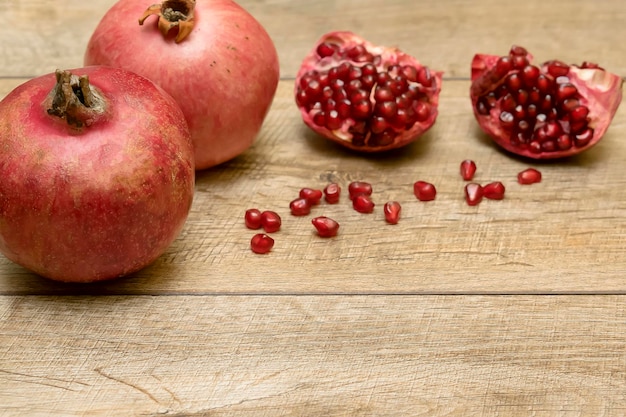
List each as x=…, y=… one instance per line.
x=224, y=75
x=100, y=202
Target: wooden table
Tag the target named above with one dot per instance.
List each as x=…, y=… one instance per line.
x=513, y=307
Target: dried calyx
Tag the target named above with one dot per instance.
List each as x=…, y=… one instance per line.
x=173, y=14
x=74, y=100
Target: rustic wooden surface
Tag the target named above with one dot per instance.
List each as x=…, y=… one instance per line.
x=514, y=307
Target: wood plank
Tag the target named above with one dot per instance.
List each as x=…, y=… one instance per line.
x=564, y=235
x=313, y=356
x=44, y=35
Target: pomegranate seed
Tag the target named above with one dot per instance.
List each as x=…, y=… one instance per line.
x=529, y=176
x=261, y=243
x=363, y=203
x=253, y=218
x=392, y=212
x=313, y=196
x=468, y=169
x=271, y=221
x=473, y=194
x=359, y=187
x=494, y=190
x=300, y=207
x=332, y=192
x=424, y=191
x=325, y=226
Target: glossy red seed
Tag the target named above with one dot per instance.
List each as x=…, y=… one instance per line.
x=300, y=207
x=468, y=169
x=473, y=194
x=252, y=218
x=392, y=211
x=325, y=226
x=332, y=192
x=529, y=176
x=312, y=195
x=363, y=203
x=359, y=187
x=270, y=221
x=494, y=190
x=424, y=191
x=261, y=243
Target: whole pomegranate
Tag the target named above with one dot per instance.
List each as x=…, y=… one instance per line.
x=97, y=174
x=548, y=111
x=213, y=57
x=365, y=97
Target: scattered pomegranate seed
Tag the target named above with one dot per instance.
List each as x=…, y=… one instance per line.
x=529, y=176
x=313, y=196
x=363, y=203
x=253, y=218
x=473, y=194
x=392, y=212
x=270, y=221
x=494, y=190
x=359, y=187
x=325, y=226
x=332, y=192
x=424, y=191
x=468, y=169
x=300, y=207
x=261, y=243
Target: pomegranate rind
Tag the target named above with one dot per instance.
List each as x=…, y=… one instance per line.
x=600, y=91
x=389, y=56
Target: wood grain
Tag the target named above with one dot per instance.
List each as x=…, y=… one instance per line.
x=313, y=356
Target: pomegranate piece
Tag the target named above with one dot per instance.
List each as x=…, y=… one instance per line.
x=473, y=194
x=365, y=97
x=270, y=221
x=529, y=176
x=332, y=192
x=359, y=187
x=424, y=191
x=363, y=203
x=300, y=207
x=392, y=211
x=261, y=243
x=548, y=111
x=325, y=226
x=252, y=218
x=494, y=191
x=313, y=196
x=468, y=169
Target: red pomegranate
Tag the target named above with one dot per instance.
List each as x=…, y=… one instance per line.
x=365, y=97
x=97, y=174
x=543, y=112
x=212, y=56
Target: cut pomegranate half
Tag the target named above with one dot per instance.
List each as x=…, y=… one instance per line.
x=542, y=112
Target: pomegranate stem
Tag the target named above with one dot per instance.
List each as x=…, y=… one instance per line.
x=74, y=100
x=173, y=13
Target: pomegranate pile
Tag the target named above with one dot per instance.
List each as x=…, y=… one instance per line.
x=366, y=97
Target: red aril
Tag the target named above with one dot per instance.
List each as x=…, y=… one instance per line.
x=359, y=187
x=97, y=174
x=252, y=218
x=494, y=190
x=270, y=221
x=392, y=211
x=365, y=97
x=213, y=57
x=332, y=192
x=468, y=169
x=300, y=207
x=424, y=191
x=313, y=196
x=325, y=226
x=363, y=203
x=548, y=111
x=529, y=176
x=261, y=243
x=473, y=194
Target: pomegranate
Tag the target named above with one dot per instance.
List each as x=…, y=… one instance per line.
x=300, y=207
x=252, y=218
x=97, y=174
x=312, y=195
x=473, y=194
x=325, y=226
x=392, y=211
x=548, y=111
x=332, y=192
x=270, y=221
x=363, y=203
x=359, y=187
x=494, y=190
x=261, y=243
x=468, y=169
x=365, y=97
x=212, y=56
x=424, y=191
x=529, y=176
